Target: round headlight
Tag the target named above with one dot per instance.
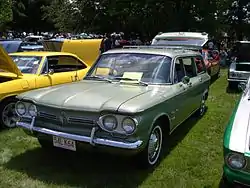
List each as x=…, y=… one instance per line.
x=32, y=110
x=236, y=161
x=128, y=125
x=20, y=108
x=110, y=123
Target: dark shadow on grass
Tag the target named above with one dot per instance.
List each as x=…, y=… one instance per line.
x=233, y=90
x=3, y=129
x=63, y=167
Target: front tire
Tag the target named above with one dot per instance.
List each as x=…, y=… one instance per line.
x=232, y=85
x=150, y=156
x=201, y=111
x=8, y=115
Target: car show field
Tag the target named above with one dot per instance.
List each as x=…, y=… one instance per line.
x=193, y=158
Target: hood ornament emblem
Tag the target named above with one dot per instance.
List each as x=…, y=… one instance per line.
x=63, y=118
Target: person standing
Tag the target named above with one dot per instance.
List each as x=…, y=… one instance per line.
x=107, y=42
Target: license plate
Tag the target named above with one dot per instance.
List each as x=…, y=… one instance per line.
x=64, y=143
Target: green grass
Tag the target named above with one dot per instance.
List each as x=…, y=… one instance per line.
x=194, y=157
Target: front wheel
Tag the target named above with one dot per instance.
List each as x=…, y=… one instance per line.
x=232, y=85
x=149, y=157
x=8, y=115
x=202, y=109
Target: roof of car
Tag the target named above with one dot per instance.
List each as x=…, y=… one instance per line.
x=42, y=53
x=167, y=51
x=247, y=42
x=182, y=34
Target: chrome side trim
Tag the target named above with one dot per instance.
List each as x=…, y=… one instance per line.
x=236, y=80
x=91, y=140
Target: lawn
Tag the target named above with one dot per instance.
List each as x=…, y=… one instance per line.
x=194, y=157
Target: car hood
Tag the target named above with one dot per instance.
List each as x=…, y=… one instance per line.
x=93, y=96
x=6, y=63
x=239, y=138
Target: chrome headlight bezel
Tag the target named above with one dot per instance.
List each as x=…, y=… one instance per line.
x=34, y=110
x=17, y=109
x=233, y=158
x=133, y=123
x=119, y=128
x=104, y=125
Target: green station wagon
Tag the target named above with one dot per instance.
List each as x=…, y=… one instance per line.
x=130, y=101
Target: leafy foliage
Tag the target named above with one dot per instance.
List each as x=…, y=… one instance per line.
x=5, y=13
x=146, y=17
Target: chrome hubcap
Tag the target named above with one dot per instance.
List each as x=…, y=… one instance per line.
x=9, y=116
x=154, y=145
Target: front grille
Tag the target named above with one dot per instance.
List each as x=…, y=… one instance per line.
x=46, y=115
x=69, y=121
x=76, y=120
x=243, y=67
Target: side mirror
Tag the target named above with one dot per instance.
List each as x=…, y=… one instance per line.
x=50, y=72
x=242, y=86
x=185, y=79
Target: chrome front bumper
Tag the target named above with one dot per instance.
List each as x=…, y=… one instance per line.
x=91, y=140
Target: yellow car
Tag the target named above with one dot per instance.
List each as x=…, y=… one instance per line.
x=24, y=71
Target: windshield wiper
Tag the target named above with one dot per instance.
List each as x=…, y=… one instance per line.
x=131, y=79
x=98, y=78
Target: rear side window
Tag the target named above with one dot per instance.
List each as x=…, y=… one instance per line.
x=200, y=66
x=189, y=66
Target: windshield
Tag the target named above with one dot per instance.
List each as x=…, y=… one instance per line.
x=179, y=41
x=27, y=64
x=148, y=68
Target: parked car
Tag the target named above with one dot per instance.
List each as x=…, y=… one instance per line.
x=130, y=100
x=24, y=71
x=86, y=49
x=12, y=46
x=194, y=41
x=239, y=70
x=236, y=143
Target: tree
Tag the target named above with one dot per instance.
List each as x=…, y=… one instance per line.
x=5, y=13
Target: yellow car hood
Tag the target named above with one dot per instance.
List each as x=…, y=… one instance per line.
x=6, y=63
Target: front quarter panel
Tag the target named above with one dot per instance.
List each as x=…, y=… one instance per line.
x=17, y=86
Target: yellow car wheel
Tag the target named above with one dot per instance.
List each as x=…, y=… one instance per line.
x=8, y=116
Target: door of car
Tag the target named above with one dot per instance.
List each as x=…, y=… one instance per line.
x=178, y=112
x=43, y=79
x=63, y=69
x=191, y=94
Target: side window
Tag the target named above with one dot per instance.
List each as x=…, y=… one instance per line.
x=69, y=61
x=179, y=72
x=63, y=64
x=200, y=66
x=189, y=66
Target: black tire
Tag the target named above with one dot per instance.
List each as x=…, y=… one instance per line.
x=202, y=109
x=232, y=85
x=144, y=160
x=8, y=116
x=225, y=183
